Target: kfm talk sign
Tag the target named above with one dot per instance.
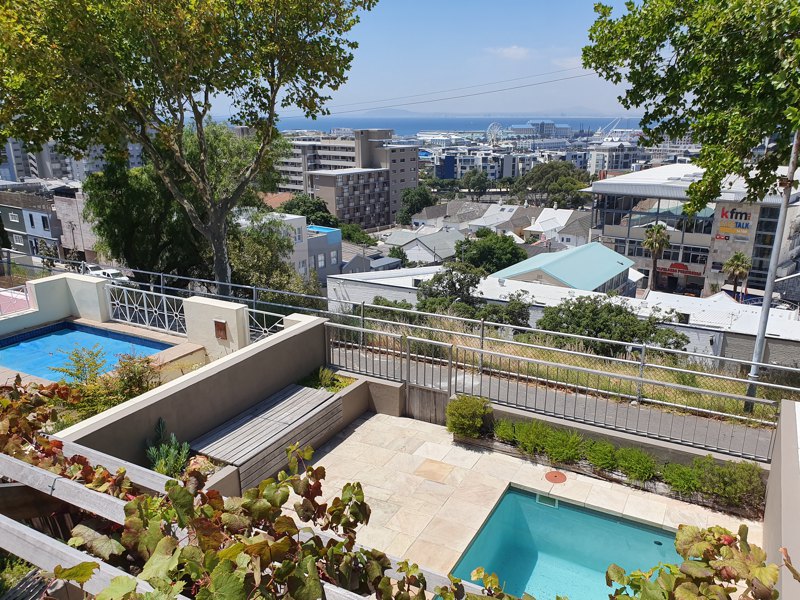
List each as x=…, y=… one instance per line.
x=734, y=224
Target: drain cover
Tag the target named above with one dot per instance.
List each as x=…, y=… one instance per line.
x=555, y=477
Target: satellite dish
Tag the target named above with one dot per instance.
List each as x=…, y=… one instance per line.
x=494, y=133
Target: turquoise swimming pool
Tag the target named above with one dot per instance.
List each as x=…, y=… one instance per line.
x=545, y=548
x=37, y=352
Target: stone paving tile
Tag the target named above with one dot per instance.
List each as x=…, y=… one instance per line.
x=430, y=496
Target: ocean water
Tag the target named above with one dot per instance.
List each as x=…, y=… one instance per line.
x=409, y=125
x=565, y=549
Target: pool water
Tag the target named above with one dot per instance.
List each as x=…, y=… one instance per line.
x=37, y=352
x=547, y=550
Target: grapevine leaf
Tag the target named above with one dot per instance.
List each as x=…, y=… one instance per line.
x=182, y=501
x=98, y=544
x=161, y=562
x=616, y=574
x=118, y=588
x=696, y=569
x=80, y=573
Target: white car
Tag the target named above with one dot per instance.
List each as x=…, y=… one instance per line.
x=107, y=272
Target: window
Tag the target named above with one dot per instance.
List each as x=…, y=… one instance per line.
x=298, y=235
x=45, y=223
x=18, y=240
x=321, y=260
x=30, y=219
x=334, y=257
x=13, y=217
x=672, y=253
x=303, y=267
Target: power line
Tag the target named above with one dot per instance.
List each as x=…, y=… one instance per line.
x=516, y=87
x=458, y=89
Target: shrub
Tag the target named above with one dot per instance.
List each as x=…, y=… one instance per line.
x=531, y=436
x=327, y=379
x=564, y=446
x=602, y=455
x=735, y=483
x=83, y=365
x=681, y=478
x=504, y=431
x=636, y=464
x=133, y=376
x=166, y=454
x=466, y=416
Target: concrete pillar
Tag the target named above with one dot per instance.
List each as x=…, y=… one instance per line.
x=221, y=327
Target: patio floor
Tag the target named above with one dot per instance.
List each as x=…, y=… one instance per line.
x=430, y=496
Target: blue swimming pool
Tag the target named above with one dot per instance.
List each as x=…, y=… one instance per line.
x=544, y=548
x=36, y=352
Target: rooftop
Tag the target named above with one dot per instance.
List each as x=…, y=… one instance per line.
x=586, y=267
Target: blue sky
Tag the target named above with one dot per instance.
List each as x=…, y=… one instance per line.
x=413, y=47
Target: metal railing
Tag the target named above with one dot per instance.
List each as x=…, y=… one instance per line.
x=692, y=413
x=146, y=309
x=14, y=299
x=263, y=324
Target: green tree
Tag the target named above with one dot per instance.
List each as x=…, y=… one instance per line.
x=556, y=182
x=312, y=208
x=490, y=251
x=476, y=182
x=656, y=240
x=398, y=252
x=353, y=232
x=259, y=251
x=456, y=281
x=147, y=71
x=737, y=267
x=139, y=223
x=723, y=72
x=413, y=201
x=601, y=317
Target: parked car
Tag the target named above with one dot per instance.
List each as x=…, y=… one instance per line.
x=107, y=272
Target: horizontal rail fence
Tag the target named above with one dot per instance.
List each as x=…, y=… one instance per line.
x=366, y=352
x=670, y=366
x=146, y=309
x=263, y=324
x=691, y=415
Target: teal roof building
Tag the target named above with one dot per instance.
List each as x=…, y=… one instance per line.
x=591, y=267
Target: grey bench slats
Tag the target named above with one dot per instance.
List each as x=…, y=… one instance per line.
x=255, y=440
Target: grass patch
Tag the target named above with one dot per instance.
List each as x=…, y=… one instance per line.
x=326, y=379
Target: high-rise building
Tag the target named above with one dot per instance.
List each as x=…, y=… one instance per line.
x=361, y=174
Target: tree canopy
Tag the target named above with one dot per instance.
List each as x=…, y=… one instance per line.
x=456, y=280
x=600, y=317
x=138, y=222
x=413, y=201
x=106, y=72
x=352, y=232
x=725, y=73
x=490, y=251
x=476, y=182
x=312, y=208
x=556, y=182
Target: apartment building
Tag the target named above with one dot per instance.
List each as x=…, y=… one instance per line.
x=614, y=155
x=361, y=174
x=455, y=162
x=627, y=205
x=30, y=221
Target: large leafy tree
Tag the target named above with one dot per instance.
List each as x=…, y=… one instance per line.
x=599, y=317
x=476, y=182
x=456, y=281
x=656, y=240
x=737, y=267
x=138, y=223
x=490, y=251
x=724, y=71
x=88, y=72
x=413, y=201
x=312, y=208
x=557, y=182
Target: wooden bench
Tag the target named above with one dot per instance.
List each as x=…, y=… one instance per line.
x=255, y=440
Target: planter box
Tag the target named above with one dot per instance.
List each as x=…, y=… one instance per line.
x=585, y=468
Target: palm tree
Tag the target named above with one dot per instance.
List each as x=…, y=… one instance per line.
x=737, y=267
x=656, y=241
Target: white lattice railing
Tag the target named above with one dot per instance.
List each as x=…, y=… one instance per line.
x=263, y=324
x=146, y=309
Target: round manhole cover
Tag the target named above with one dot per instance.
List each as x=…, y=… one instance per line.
x=555, y=477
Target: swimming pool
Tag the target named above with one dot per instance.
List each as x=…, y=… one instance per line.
x=36, y=352
x=546, y=548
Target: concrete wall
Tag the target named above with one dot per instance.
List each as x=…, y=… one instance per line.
x=199, y=401
x=777, y=351
x=781, y=523
x=57, y=298
x=201, y=313
x=225, y=481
